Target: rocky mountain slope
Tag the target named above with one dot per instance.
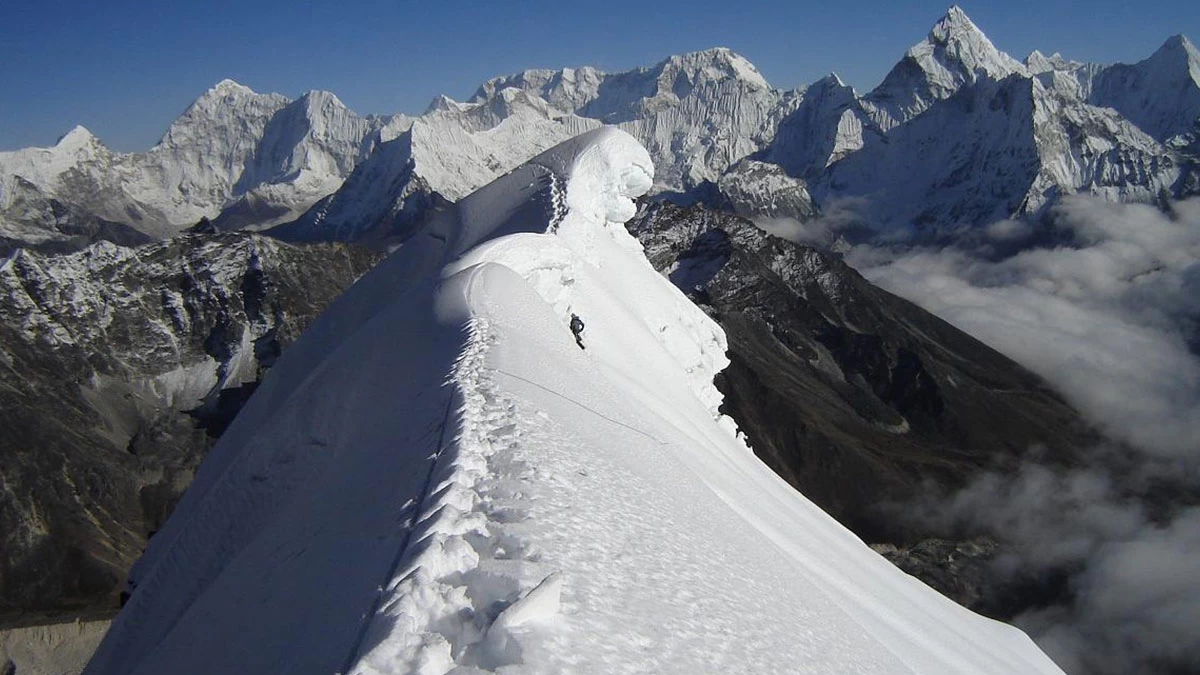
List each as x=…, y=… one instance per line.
x=858, y=398
x=117, y=367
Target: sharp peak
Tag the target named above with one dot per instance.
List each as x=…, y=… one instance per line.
x=320, y=96
x=954, y=23
x=736, y=65
x=77, y=131
x=1179, y=39
x=1179, y=42
x=830, y=80
x=78, y=135
x=228, y=86
x=443, y=103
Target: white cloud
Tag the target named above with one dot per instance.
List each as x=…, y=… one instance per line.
x=1108, y=320
x=1112, y=320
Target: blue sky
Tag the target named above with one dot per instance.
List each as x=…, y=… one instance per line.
x=126, y=69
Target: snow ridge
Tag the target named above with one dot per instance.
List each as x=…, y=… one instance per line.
x=593, y=504
x=466, y=546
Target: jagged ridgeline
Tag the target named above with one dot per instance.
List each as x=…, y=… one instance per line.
x=958, y=134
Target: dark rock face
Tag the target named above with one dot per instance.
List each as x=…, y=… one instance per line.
x=118, y=367
x=856, y=397
x=959, y=569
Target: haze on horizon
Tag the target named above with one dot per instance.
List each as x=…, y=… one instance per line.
x=125, y=72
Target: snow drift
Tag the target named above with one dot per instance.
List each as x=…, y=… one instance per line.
x=436, y=479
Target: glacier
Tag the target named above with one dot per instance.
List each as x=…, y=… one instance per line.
x=436, y=479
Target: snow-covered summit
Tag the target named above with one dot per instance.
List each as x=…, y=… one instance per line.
x=435, y=478
x=78, y=136
x=829, y=123
x=697, y=113
x=1160, y=94
x=253, y=158
x=956, y=52
x=1038, y=62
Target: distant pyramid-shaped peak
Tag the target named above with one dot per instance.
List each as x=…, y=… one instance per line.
x=77, y=136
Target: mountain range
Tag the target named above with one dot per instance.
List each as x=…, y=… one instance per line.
x=438, y=477
x=122, y=272
x=957, y=134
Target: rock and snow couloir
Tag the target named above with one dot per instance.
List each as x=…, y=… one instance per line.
x=436, y=479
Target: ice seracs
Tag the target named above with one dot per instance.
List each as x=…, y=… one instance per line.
x=436, y=479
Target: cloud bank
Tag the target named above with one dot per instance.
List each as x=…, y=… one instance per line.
x=1106, y=307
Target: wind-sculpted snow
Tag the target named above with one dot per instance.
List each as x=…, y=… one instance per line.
x=436, y=479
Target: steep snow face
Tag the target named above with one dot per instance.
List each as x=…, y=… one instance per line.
x=444, y=154
x=829, y=123
x=1161, y=94
x=259, y=158
x=193, y=169
x=697, y=113
x=997, y=150
x=307, y=150
x=551, y=509
x=955, y=53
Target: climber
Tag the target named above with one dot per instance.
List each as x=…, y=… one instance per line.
x=577, y=329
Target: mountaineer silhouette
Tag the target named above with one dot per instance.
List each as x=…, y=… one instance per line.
x=577, y=330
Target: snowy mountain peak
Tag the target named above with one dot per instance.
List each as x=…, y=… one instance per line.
x=228, y=86
x=1038, y=62
x=77, y=137
x=443, y=103
x=718, y=63
x=832, y=80
x=956, y=52
x=1180, y=50
x=955, y=24
x=319, y=99
x=1160, y=94
x=965, y=46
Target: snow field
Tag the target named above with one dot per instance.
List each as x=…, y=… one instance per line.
x=552, y=510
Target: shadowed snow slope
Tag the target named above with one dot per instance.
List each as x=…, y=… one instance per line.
x=435, y=478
